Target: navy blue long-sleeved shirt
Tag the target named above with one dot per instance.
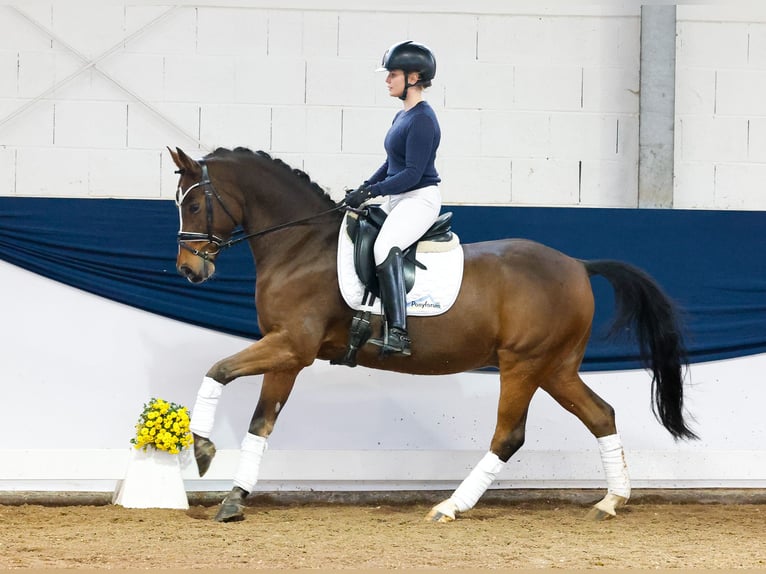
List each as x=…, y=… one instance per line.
x=411, y=146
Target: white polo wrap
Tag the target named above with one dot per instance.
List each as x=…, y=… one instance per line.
x=253, y=447
x=476, y=483
x=615, y=468
x=203, y=413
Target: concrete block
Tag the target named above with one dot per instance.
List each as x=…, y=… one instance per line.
x=711, y=138
x=52, y=172
x=31, y=127
x=128, y=173
x=711, y=44
x=74, y=24
x=320, y=34
x=564, y=40
x=9, y=74
x=695, y=91
x=37, y=73
x=478, y=85
x=756, y=149
x=285, y=34
x=91, y=124
x=461, y=133
x=232, y=125
x=548, y=88
x=143, y=74
x=18, y=33
x=341, y=82
x=367, y=34
x=148, y=131
x=7, y=171
x=229, y=30
x=200, y=78
x=545, y=182
x=270, y=80
x=740, y=186
x=515, y=134
x=610, y=89
x=175, y=33
x=451, y=37
x=694, y=185
x=757, y=47
x=609, y=183
x=475, y=180
x=741, y=92
x=584, y=136
x=364, y=130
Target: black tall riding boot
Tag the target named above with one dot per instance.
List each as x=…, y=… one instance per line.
x=393, y=296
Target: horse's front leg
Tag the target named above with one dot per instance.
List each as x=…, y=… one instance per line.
x=273, y=352
x=274, y=394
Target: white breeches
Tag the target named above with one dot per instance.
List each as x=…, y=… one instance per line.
x=410, y=214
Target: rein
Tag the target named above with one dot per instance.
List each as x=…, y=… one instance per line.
x=186, y=236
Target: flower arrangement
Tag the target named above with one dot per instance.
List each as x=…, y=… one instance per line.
x=164, y=426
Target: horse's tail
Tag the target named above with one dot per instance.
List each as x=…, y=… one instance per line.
x=640, y=301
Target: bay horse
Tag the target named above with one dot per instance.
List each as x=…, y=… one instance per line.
x=523, y=308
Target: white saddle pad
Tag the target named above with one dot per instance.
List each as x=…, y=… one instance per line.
x=435, y=289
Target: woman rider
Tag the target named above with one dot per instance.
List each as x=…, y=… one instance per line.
x=407, y=179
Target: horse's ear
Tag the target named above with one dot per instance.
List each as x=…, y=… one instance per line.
x=184, y=162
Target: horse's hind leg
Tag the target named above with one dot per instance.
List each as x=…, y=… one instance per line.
x=515, y=394
x=596, y=414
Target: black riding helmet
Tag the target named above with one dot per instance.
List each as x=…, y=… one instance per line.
x=410, y=56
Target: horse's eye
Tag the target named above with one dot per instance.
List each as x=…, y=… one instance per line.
x=194, y=208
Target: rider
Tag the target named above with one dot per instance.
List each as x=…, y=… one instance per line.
x=407, y=179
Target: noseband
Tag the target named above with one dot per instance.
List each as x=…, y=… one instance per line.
x=219, y=244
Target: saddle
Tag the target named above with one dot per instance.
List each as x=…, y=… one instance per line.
x=363, y=229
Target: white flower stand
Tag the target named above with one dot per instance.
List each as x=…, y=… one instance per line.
x=153, y=480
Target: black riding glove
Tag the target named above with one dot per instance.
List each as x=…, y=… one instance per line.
x=358, y=196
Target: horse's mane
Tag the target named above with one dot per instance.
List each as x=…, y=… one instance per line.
x=298, y=173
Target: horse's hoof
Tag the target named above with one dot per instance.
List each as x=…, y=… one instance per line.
x=607, y=507
x=204, y=452
x=230, y=512
x=442, y=512
x=597, y=515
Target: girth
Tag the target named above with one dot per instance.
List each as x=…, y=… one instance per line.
x=363, y=229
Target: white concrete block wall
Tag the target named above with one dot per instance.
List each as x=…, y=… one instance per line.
x=544, y=100
x=720, y=158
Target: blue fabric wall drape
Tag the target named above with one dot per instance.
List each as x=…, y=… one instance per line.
x=713, y=263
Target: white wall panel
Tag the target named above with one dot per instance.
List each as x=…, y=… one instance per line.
x=68, y=24
x=366, y=35
x=229, y=31
x=609, y=183
x=9, y=73
x=143, y=74
x=694, y=185
x=370, y=429
x=554, y=88
x=91, y=124
x=740, y=186
x=52, y=172
x=176, y=33
x=712, y=138
x=740, y=92
x=232, y=125
x=285, y=30
x=451, y=36
x=8, y=170
x=17, y=33
x=610, y=89
x=207, y=79
x=134, y=173
x=545, y=181
x=515, y=134
x=696, y=91
x=711, y=44
x=476, y=180
x=320, y=34
x=269, y=80
x=37, y=73
x=33, y=127
x=364, y=130
x=147, y=131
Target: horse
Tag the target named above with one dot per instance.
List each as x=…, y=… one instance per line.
x=523, y=308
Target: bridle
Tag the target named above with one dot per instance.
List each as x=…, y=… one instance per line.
x=239, y=235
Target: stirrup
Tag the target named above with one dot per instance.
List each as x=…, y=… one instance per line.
x=395, y=342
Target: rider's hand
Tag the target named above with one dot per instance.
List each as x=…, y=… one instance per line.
x=358, y=196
